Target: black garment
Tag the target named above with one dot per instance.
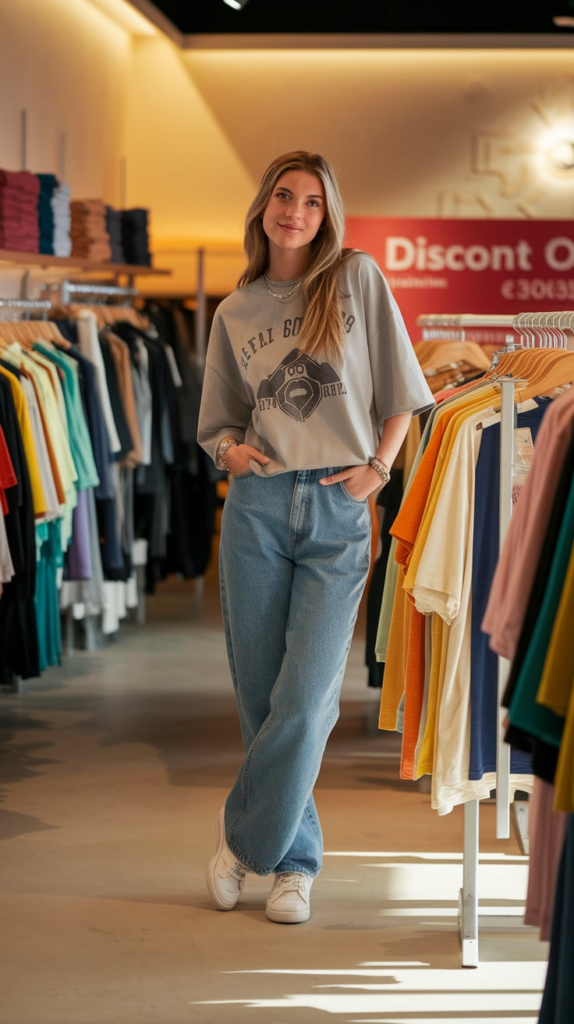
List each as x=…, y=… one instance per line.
x=193, y=501
x=114, y=229
x=124, y=434
x=175, y=498
x=151, y=491
x=135, y=239
x=558, y=998
x=116, y=563
x=19, y=654
x=69, y=329
x=48, y=183
x=389, y=499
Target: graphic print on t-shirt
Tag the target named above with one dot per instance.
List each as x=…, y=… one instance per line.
x=298, y=385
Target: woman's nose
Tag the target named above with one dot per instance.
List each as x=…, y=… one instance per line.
x=292, y=210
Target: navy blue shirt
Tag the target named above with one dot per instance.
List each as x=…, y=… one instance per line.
x=483, y=661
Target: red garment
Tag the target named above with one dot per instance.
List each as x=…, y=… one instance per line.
x=7, y=475
x=21, y=180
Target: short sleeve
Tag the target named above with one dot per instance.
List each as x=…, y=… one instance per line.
x=399, y=385
x=225, y=410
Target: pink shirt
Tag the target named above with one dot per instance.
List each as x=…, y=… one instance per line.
x=514, y=576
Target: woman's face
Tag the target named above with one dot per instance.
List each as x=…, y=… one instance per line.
x=295, y=210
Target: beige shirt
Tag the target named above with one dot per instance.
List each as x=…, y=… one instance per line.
x=304, y=413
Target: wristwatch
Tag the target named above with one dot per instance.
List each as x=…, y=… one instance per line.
x=222, y=449
x=380, y=468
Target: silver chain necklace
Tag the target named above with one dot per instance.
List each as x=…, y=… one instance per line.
x=282, y=296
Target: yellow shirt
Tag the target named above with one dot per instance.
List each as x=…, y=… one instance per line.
x=38, y=497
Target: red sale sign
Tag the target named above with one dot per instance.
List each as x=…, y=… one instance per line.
x=470, y=266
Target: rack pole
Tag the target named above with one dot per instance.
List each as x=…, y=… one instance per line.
x=63, y=142
x=507, y=417
x=123, y=183
x=201, y=313
x=468, y=896
x=24, y=139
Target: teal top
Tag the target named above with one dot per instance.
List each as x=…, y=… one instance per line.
x=524, y=711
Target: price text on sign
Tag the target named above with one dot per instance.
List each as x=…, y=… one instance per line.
x=525, y=289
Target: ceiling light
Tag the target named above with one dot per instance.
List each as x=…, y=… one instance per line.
x=561, y=154
x=236, y=4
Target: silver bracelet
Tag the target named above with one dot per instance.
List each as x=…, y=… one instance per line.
x=380, y=468
x=222, y=449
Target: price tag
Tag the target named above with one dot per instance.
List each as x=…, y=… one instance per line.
x=523, y=445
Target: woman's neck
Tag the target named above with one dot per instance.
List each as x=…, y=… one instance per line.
x=286, y=265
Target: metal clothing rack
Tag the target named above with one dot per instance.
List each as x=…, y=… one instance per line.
x=531, y=328
x=21, y=307
x=66, y=289
x=536, y=330
x=87, y=290
x=25, y=306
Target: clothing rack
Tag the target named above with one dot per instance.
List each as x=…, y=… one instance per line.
x=66, y=289
x=87, y=290
x=530, y=328
x=21, y=306
x=26, y=305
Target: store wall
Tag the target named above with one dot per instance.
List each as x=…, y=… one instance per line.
x=423, y=133
x=68, y=65
x=411, y=133
x=183, y=163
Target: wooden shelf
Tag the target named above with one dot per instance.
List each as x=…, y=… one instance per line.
x=45, y=260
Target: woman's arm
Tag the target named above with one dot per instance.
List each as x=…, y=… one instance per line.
x=360, y=481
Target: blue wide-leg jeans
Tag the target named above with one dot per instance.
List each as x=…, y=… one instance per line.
x=294, y=559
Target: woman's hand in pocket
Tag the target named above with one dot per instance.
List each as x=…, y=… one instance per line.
x=239, y=456
x=359, y=481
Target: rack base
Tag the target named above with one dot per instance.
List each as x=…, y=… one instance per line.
x=468, y=917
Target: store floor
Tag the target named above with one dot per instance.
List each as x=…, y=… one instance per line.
x=112, y=772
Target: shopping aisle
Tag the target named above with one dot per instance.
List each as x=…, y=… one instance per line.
x=112, y=773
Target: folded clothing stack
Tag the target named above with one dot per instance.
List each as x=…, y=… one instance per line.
x=90, y=239
x=48, y=185
x=19, y=191
x=114, y=226
x=135, y=236
x=62, y=220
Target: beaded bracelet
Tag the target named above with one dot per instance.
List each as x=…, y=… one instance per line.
x=380, y=468
x=222, y=449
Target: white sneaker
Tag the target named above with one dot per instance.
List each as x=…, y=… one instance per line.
x=225, y=875
x=289, y=899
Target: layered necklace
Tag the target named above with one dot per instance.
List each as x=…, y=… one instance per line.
x=282, y=296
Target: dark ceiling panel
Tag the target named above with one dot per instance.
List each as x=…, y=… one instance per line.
x=366, y=16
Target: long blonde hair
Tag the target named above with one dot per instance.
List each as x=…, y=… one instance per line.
x=322, y=329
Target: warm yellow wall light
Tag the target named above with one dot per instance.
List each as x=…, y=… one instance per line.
x=561, y=154
x=557, y=147
x=126, y=16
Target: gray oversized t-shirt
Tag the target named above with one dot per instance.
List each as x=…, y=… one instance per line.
x=302, y=412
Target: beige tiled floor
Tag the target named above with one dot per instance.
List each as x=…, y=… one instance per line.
x=111, y=773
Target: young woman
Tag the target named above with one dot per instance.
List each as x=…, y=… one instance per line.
x=309, y=389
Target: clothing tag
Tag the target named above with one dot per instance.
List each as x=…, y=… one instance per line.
x=523, y=446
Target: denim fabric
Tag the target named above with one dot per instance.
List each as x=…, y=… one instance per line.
x=294, y=559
